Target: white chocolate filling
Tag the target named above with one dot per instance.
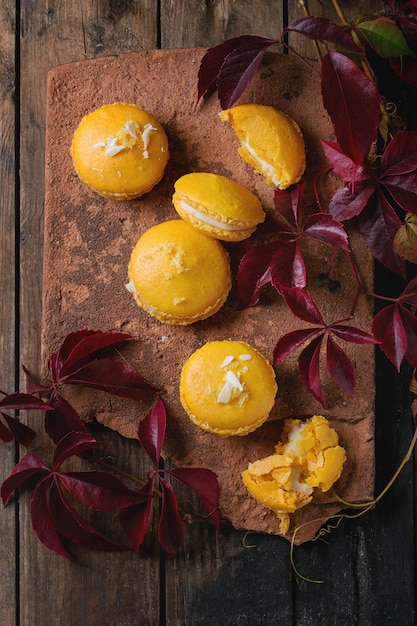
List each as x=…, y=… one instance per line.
x=206, y=219
x=266, y=167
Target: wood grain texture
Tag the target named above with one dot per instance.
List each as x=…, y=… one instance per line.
x=8, y=291
x=108, y=588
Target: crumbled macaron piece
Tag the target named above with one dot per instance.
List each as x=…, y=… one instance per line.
x=270, y=141
x=309, y=456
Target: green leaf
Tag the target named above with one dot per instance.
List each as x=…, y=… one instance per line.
x=384, y=36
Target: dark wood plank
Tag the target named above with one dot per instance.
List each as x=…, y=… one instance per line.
x=103, y=588
x=7, y=289
x=189, y=24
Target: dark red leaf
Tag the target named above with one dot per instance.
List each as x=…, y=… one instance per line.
x=324, y=228
x=239, y=69
x=409, y=321
x=353, y=103
x=410, y=292
x=18, y=401
x=343, y=165
x=309, y=368
x=151, y=431
x=253, y=271
x=5, y=433
x=20, y=432
x=203, y=482
x=288, y=203
x=27, y=468
x=69, y=524
x=99, y=490
x=135, y=519
x=408, y=25
x=63, y=419
x=59, y=357
x=323, y=29
x=74, y=443
x=215, y=57
x=388, y=328
x=42, y=521
x=403, y=189
x=113, y=377
x=170, y=527
x=291, y=341
x=400, y=155
x=347, y=204
x=287, y=266
x=378, y=227
x=352, y=334
x=32, y=386
x=340, y=367
x=302, y=305
x=88, y=346
x=406, y=68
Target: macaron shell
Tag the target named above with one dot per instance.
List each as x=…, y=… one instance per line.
x=217, y=205
x=204, y=379
x=272, y=142
x=178, y=274
x=132, y=171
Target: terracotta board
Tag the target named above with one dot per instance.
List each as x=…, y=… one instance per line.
x=88, y=241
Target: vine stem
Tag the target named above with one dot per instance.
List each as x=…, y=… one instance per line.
x=116, y=470
x=372, y=503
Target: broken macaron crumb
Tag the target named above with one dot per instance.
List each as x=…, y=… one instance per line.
x=308, y=456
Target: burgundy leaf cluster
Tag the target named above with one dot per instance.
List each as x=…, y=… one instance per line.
x=12, y=428
x=379, y=189
x=58, y=494
x=201, y=481
x=81, y=360
x=54, y=519
x=280, y=261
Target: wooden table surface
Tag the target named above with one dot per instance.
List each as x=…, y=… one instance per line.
x=368, y=563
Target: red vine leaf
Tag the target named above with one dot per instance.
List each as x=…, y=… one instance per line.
x=230, y=67
x=340, y=367
x=135, y=519
x=203, y=482
x=151, y=431
x=281, y=261
x=395, y=326
x=353, y=103
x=309, y=368
x=53, y=519
x=323, y=29
x=42, y=521
x=170, y=527
x=14, y=429
x=113, y=377
x=63, y=419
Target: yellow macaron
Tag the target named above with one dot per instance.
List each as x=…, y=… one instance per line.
x=228, y=388
x=179, y=275
x=271, y=142
x=120, y=151
x=217, y=205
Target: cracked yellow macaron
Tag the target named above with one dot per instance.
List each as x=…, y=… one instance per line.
x=120, y=151
x=308, y=457
x=217, y=205
x=177, y=274
x=228, y=388
x=270, y=141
